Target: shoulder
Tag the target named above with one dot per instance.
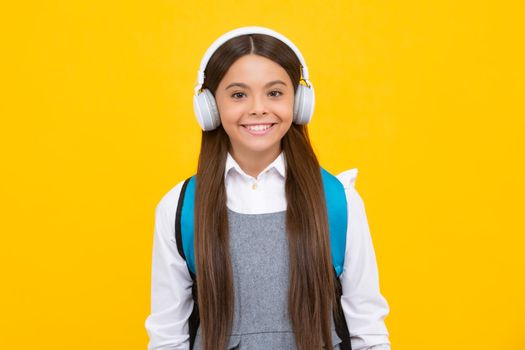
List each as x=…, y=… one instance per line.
x=348, y=179
x=167, y=205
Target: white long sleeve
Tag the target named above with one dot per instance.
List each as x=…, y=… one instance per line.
x=171, y=298
x=363, y=305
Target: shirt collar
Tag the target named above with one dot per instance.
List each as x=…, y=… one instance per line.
x=279, y=164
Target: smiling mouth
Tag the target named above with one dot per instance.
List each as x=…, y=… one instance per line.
x=258, y=126
x=258, y=129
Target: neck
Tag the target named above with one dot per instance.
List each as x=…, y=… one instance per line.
x=252, y=163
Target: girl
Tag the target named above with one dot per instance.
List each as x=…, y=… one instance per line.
x=265, y=278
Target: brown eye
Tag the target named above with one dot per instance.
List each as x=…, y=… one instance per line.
x=237, y=94
x=279, y=93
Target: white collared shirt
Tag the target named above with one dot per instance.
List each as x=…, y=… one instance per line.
x=363, y=305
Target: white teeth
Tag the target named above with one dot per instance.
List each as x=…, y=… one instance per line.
x=258, y=127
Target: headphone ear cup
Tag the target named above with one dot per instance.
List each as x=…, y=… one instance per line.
x=206, y=111
x=304, y=103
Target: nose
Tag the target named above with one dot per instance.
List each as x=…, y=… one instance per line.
x=258, y=107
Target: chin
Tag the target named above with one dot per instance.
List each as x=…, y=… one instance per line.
x=260, y=148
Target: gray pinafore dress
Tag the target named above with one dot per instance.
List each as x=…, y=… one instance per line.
x=259, y=256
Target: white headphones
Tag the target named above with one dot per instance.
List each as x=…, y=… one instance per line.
x=204, y=103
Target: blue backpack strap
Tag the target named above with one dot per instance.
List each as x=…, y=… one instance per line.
x=184, y=223
x=184, y=239
x=336, y=205
x=336, y=209
x=337, y=218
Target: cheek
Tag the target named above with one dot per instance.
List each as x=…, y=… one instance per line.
x=228, y=111
x=284, y=110
x=224, y=114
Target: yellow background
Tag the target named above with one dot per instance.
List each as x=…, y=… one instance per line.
x=424, y=98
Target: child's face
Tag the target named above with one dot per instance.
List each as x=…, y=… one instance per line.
x=255, y=103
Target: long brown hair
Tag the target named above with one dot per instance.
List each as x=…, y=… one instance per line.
x=311, y=294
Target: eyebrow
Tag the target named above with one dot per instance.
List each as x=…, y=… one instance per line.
x=273, y=82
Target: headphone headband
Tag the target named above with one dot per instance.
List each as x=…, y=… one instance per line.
x=242, y=31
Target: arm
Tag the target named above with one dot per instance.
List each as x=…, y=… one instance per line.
x=171, y=299
x=363, y=305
